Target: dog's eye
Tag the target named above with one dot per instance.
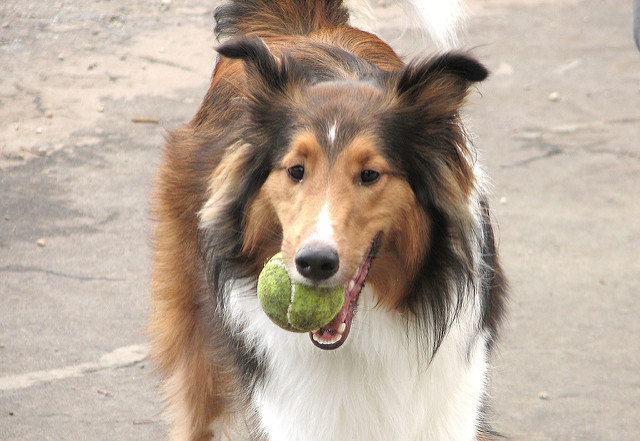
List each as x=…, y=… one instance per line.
x=296, y=173
x=369, y=176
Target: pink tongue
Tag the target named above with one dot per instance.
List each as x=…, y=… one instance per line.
x=336, y=332
x=352, y=291
x=346, y=311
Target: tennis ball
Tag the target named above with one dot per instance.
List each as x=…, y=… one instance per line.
x=294, y=306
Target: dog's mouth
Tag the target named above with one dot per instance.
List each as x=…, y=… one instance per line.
x=335, y=333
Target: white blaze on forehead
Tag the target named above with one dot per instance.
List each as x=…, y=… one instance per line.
x=333, y=131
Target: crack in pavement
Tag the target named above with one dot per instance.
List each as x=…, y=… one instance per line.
x=32, y=269
x=118, y=358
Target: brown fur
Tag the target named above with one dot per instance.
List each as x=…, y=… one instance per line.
x=195, y=180
x=179, y=343
x=183, y=184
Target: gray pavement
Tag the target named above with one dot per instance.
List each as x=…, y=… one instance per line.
x=558, y=124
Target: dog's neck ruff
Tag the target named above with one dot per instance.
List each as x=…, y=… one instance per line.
x=378, y=386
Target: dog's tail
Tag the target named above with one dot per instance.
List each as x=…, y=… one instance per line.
x=268, y=18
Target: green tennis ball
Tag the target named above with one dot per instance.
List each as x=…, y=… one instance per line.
x=274, y=291
x=294, y=306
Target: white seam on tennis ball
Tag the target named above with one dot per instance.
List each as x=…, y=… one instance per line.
x=293, y=295
x=292, y=290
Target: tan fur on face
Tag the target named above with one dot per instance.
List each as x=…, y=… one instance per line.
x=358, y=212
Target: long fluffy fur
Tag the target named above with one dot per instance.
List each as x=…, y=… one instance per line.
x=295, y=79
x=441, y=19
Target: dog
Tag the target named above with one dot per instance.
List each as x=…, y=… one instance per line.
x=317, y=141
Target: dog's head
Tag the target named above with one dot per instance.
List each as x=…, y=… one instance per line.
x=338, y=162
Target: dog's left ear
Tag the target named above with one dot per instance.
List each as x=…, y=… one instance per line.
x=441, y=81
x=266, y=72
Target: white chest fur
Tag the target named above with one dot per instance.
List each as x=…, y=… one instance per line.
x=379, y=386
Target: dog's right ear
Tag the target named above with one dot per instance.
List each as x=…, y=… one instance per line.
x=263, y=68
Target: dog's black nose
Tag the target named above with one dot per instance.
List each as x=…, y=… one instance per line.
x=317, y=261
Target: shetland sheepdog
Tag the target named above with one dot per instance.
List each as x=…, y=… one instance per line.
x=317, y=141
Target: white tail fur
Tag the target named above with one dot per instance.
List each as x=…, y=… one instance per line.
x=441, y=20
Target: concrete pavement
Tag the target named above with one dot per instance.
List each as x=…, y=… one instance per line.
x=558, y=123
